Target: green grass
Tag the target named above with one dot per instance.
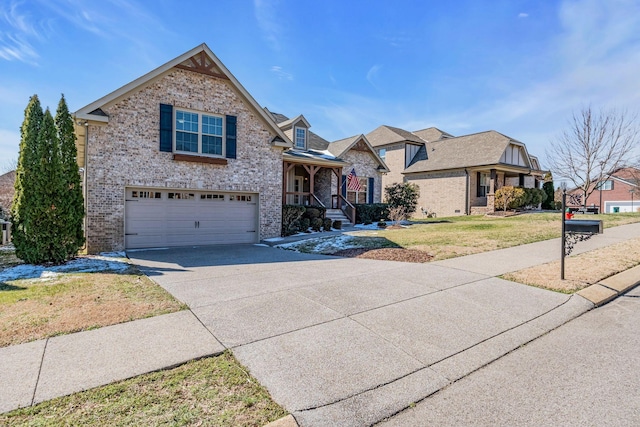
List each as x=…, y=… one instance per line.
x=215, y=391
x=462, y=235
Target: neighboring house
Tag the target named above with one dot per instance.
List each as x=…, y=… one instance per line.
x=181, y=156
x=618, y=193
x=7, y=182
x=315, y=170
x=456, y=175
x=185, y=156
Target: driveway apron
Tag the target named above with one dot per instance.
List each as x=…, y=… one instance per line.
x=345, y=341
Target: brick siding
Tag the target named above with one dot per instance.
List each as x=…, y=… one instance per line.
x=125, y=152
x=441, y=192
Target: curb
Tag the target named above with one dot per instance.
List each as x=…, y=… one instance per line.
x=286, y=421
x=612, y=287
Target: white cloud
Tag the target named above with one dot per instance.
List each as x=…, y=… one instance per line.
x=28, y=27
x=523, y=15
x=19, y=27
x=372, y=75
x=282, y=75
x=267, y=16
x=595, y=59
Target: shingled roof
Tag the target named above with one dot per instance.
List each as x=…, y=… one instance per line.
x=432, y=134
x=478, y=149
x=384, y=135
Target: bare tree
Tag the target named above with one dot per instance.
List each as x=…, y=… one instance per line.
x=8, y=166
x=594, y=146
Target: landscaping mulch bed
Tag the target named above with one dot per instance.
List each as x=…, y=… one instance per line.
x=386, y=254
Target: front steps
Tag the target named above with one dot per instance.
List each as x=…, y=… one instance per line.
x=338, y=215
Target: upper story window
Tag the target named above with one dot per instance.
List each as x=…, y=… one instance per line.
x=301, y=138
x=198, y=133
x=605, y=185
x=382, y=153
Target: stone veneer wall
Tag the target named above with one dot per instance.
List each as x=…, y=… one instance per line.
x=441, y=192
x=125, y=152
x=323, y=186
x=366, y=166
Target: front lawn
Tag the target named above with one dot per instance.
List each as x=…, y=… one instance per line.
x=464, y=235
x=581, y=270
x=38, y=302
x=215, y=391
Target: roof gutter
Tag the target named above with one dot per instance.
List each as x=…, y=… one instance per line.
x=466, y=192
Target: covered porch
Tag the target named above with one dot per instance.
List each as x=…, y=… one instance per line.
x=307, y=181
x=483, y=184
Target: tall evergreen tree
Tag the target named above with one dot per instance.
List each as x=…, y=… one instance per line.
x=547, y=187
x=23, y=206
x=50, y=192
x=48, y=207
x=71, y=203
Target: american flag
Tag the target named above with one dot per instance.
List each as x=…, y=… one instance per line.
x=353, y=184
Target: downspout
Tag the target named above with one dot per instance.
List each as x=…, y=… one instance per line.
x=466, y=192
x=84, y=182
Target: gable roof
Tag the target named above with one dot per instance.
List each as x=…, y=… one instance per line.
x=200, y=59
x=627, y=175
x=340, y=147
x=432, y=134
x=479, y=149
x=384, y=135
x=289, y=123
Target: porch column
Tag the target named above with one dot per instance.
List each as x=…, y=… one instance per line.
x=311, y=169
x=286, y=167
x=491, y=197
x=338, y=173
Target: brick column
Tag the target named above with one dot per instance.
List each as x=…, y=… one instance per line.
x=491, y=197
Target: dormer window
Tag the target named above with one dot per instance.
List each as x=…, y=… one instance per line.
x=301, y=138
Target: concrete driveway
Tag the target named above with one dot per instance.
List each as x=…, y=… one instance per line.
x=344, y=341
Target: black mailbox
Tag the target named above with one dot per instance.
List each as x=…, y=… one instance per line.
x=583, y=226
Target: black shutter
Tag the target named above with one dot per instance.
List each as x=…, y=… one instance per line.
x=521, y=180
x=344, y=186
x=479, y=187
x=231, y=137
x=166, y=128
x=370, y=188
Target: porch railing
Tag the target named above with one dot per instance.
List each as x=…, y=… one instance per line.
x=349, y=210
x=302, y=198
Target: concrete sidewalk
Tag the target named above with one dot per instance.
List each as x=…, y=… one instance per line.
x=336, y=341
x=503, y=261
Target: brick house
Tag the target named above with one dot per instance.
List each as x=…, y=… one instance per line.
x=618, y=193
x=184, y=155
x=7, y=181
x=315, y=170
x=456, y=175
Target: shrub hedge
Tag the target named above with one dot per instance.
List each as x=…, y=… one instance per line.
x=367, y=214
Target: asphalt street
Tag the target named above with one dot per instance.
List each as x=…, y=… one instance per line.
x=584, y=373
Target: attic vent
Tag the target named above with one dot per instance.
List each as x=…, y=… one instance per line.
x=99, y=112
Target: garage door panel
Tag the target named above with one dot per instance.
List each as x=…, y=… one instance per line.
x=189, y=218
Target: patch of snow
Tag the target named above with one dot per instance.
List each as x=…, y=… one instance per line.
x=83, y=264
x=340, y=242
x=274, y=239
x=261, y=244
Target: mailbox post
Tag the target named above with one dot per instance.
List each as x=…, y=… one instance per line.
x=574, y=231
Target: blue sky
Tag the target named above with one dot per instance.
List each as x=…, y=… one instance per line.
x=520, y=67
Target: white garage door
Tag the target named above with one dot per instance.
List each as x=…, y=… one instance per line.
x=157, y=218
